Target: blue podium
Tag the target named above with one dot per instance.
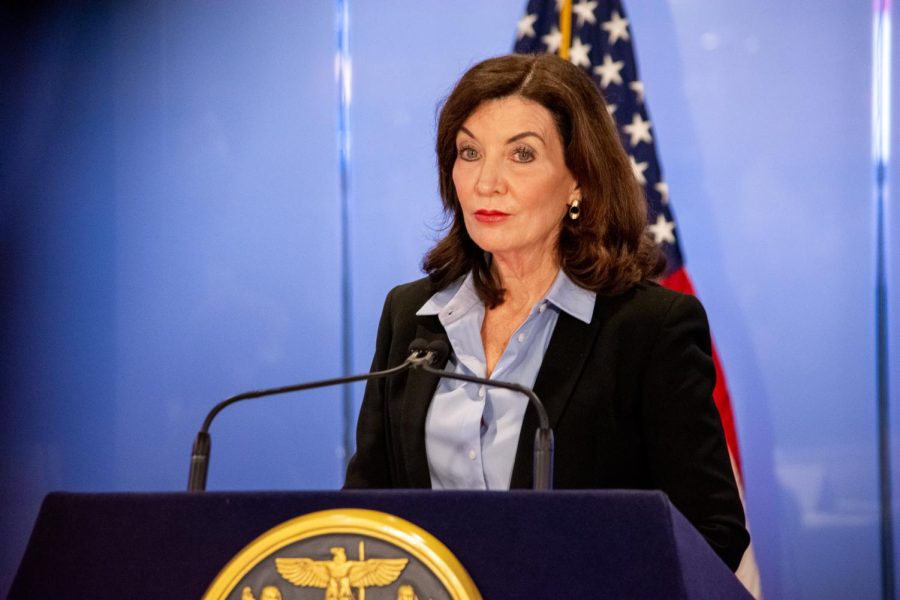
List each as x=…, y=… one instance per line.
x=518, y=544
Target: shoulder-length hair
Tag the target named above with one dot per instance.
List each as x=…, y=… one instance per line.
x=606, y=249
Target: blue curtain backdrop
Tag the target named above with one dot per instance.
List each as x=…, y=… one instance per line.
x=170, y=234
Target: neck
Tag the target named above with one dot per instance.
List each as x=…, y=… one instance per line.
x=525, y=281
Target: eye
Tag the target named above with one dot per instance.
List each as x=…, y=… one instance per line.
x=467, y=153
x=523, y=154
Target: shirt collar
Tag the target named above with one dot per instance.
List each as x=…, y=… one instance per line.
x=453, y=301
x=568, y=296
x=457, y=298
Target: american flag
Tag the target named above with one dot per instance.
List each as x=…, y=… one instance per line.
x=596, y=36
x=601, y=44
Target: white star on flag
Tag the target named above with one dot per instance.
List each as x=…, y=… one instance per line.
x=552, y=40
x=663, y=188
x=617, y=27
x=578, y=54
x=639, y=130
x=639, y=168
x=611, y=109
x=609, y=71
x=638, y=88
x=662, y=230
x=526, y=26
x=584, y=10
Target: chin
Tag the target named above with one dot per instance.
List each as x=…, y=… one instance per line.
x=488, y=246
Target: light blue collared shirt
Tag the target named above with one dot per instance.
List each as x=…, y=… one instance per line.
x=472, y=431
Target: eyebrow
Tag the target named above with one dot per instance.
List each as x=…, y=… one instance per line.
x=514, y=138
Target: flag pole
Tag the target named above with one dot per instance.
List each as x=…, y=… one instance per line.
x=565, y=28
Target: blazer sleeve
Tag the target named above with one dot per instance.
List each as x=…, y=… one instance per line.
x=687, y=454
x=370, y=465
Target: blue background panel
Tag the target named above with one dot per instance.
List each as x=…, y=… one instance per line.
x=227, y=211
x=170, y=237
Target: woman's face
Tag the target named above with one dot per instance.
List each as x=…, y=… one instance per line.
x=511, y=178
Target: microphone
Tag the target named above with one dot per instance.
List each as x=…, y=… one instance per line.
x=418, y=354
x=437, y=351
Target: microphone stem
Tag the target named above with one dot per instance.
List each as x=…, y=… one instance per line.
x=200, y=452
x=297, y=388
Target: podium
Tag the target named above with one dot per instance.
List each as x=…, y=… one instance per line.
x=516, y=544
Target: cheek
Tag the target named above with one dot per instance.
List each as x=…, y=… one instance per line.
x=552, y=215
x=551, y=197
x=462, y=183
x=457, y=174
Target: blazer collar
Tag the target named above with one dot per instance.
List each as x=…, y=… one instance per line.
x=568, y=350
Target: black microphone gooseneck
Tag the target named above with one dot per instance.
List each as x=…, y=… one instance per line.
x=199, y=468
x=437, y=351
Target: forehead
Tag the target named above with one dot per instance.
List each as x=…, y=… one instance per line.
x=509, y=116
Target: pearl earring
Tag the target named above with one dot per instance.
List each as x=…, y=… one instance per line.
x=574, y=211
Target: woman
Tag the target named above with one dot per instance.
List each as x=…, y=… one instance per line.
x=544, y=279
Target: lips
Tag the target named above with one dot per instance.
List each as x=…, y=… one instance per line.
x=490, y=216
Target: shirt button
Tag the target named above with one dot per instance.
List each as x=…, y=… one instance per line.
x=472, y=454
x=542, y=307
x=521, y=337
x=481, y=392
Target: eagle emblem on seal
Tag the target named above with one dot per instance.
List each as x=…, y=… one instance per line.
x=339, y=575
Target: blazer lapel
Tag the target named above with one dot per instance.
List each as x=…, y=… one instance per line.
x=564, y=360
x=420, y=388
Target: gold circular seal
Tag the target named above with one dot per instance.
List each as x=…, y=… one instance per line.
x=313, y=557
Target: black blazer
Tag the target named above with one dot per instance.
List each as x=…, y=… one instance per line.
x=629, y=398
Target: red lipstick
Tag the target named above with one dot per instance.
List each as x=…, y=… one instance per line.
x=490, y=216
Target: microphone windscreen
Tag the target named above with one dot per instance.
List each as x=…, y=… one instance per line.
x=441, y=351
x=418, y=346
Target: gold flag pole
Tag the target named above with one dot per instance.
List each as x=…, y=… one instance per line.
x=565, y=28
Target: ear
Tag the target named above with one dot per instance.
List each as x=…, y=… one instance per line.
x=575, y=194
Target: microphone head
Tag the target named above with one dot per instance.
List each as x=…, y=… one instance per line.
x=441, y=351
x=418, y=347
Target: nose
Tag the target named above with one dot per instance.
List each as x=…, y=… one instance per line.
x=491, y=179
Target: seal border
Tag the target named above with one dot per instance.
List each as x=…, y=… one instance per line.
x=408, y=536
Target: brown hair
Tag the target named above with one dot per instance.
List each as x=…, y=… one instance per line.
x=607, y=249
